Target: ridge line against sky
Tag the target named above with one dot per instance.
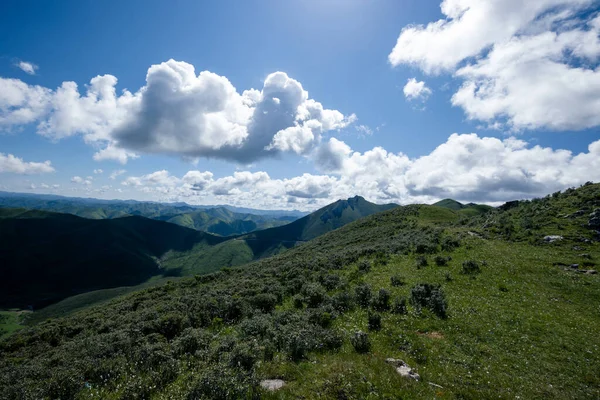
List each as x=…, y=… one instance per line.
x=389, y=113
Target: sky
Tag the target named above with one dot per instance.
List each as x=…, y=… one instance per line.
x=295, y=104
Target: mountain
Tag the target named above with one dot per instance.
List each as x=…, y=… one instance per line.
x=46, y=256
x=469, y=209
x=479, y=307
x=220, y=220
x=224, y=222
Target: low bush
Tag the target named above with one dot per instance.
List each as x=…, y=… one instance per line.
x=360, y=341
x=431, y=297
x=363, y=295
x=399, y=306
x=374, y=322
x=397, y=280
x=381, y=301
x=422, y=262
x=470, y=267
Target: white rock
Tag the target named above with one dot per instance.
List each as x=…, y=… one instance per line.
x=552, y=238
x=272, y=384
x=403, y=369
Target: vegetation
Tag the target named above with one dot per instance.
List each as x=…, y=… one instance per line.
x=525, y=326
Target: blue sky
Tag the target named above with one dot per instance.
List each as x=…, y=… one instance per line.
x=391, y=141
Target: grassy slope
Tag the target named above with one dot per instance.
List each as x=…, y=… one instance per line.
x=524, y=327
x=46, y=256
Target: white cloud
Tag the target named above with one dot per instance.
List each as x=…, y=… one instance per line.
x=98, y=171
x=416, y=90
x=16, y=165
x=116, y=173
x=177, y=112
x=81, y=181
x=27, y=67
x=526, y=64
x=466, y=167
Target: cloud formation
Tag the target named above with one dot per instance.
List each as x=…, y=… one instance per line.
x=416, y=90
x=82, y=181
x=16, y=165
x=27, y=67
x=524, y=64
x=177, y=113
x=466, y=167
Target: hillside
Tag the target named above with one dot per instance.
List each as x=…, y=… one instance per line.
x=220, y=220
x=489, y=308
x=45, y=256
x=333, y=216
x=469, y=209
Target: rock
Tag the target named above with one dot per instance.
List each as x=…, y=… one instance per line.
x=585, y=255
x=403, y=369
x=577, y=248
x=574, y=266
x=594, y=221
x=591, y=272
x=552, y=238
x=272, y=384
x=577, y=213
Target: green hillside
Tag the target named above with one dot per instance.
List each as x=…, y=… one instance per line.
x=45, y=257
x=487, y=307
x=333, y=216
x=469, y=209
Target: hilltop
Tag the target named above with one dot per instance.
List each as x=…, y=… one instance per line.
x=469, y=209
x=480, y=307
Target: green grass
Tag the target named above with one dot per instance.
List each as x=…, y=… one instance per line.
x=11, y=321
x=525, y=326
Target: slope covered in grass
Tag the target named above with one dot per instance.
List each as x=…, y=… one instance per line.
x=45, y=257
x=480, y=308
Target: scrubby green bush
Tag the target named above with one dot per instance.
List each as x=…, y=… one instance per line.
x=265, y=302
x=429, y=296
x=342, y=301
x=397, y=280
x=399, y=306
x=364, y=266
x=381, y=301
x=374, y=321
x=363, y=295
x=470, y=267
x=450, y=243
x=331, y=282
x=441, y=261
x=421, y=262
x=314, y=294
x=360, y=341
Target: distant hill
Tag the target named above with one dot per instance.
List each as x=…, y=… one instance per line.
x=468, y=209
x=326, y=219
x=219, y=220
x=224, y=222
x=46, y=256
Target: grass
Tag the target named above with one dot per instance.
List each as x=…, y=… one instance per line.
x=11, y=321
x=525, y=325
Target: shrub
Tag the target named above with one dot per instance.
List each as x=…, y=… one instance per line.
x=364, y=266
x=265, y=302
x=470, y=267
x=441, y=261
x=171, y=325
x=449, y=243
x=298, y=302
x=314, y=294
x=244, y=356
x=331, y=282
x=381, y=301
x=342, y=301
x=374, y=322
x=429, y=296
x=399, y=306
x=397, y=280
x=360, y=342
x=363, y=295
x=190, y=341
x=421, y=261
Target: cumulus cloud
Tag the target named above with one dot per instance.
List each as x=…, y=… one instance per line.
x=27, y=67
x=82, y=181
x=527, y=64
x=16, y=165
x=116, y=173
x=98, y=171
x=416, y=90
x=466, y=167
x=178, y=113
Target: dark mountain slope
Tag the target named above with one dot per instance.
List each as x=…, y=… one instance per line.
x=46, y=256
x=326, y=219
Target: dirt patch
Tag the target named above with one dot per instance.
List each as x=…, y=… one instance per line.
x=432, y=335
